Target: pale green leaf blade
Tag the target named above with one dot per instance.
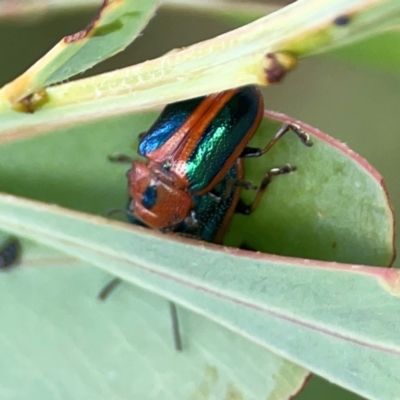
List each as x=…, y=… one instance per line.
x=308, y=303
x=116, y=25
x=334, y=207
x=319, y=309
x=310, y=213
x=289, y=306
x=81, y=348
x=240, y=57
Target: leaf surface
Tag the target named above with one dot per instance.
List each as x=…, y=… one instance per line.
x=116, y=25
x=81, y=348
x=259, y=53
x=308, y=312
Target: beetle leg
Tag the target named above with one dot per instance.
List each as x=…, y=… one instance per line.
x=247, y=209
x=232, y=183
x=191, y=220
x=217, y=198
x=110, y=287
x=246, y=185
x=245, y=246
x=257, y=152
x=106, y=291
x=176, y=334
x=141, y=136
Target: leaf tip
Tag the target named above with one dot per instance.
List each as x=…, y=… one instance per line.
x=75, y=37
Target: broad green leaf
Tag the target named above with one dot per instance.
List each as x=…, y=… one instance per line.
x=81, y=348
x=260, y=52
x=320, y=307
x=310, y=213
x=311, y=316
x=333, y=208
x=115, y=26
x=379, y=52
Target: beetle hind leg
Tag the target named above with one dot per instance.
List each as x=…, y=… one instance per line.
x=249, y=152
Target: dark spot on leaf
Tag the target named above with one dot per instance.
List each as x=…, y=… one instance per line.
x=9, y=253
x=334, y=245
x=108, y=28
x=342, y=20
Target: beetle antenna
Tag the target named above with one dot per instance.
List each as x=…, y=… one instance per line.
x=115, y=211
x=120, y=158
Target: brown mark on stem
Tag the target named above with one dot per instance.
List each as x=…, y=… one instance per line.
x=31, y=103
x=278, y=64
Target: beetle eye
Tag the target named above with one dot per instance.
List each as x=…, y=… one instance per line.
x=149, y=198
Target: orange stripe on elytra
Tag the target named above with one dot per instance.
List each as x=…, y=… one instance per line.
x=172, y=145
x=238, y=151
x=187, y=147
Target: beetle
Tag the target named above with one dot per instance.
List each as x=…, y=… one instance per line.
x=192, y=178
x=190, y=148
x=209, y=220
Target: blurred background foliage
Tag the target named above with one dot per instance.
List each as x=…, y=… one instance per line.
x=352, y=94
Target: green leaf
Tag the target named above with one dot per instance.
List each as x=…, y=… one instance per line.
x=308, y=312
x=81, y=348
x=260, y=297
x=334, y=207
x=115, y=26
x=260, y=52
x=310, y=213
